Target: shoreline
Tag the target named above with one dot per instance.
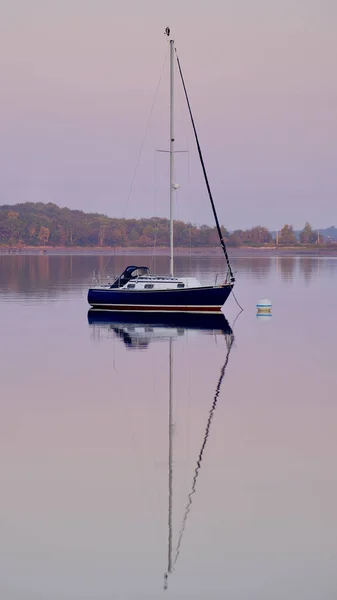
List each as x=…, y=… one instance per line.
x=165, y=251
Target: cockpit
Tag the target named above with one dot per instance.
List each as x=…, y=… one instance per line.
x=131, y=272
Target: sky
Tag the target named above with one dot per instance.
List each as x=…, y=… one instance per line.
x=81, y=121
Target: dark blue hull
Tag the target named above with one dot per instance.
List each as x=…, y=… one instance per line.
x=203, y=299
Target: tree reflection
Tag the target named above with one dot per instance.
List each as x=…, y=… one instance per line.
x=308, y=266
x=256, y=267
x=48, y=275
x=287, y=266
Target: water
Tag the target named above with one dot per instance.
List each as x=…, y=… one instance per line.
x=84, y=439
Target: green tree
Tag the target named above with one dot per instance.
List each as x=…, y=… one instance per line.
x=259, y=235
x=287, y=235
x=307, y=235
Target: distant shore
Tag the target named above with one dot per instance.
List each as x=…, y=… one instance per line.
x=164, y=251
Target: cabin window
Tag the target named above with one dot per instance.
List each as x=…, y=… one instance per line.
x=148, y=286
x=131, y=285
x=180, y=285
x=140, y=272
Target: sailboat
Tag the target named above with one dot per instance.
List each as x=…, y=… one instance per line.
x=137, y=289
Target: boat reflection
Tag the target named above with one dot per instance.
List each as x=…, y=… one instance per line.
x=137, y=330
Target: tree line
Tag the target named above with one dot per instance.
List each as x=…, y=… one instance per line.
x=39, y=224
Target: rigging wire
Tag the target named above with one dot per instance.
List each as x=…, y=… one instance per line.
x=155, y=233
x=236, y=318
x=145, y=135
x=237, y=302
x=141, y=149
x=222, y=241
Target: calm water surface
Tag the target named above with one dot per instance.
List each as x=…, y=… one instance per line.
x=84, y=438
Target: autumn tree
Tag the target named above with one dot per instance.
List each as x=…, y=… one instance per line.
x=44, y=235
x=35, y=223
x=12, y=215
x=32, y=232
x=102, y=234
x=63, y=235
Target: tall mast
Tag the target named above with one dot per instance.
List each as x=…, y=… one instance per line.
x=171, y=151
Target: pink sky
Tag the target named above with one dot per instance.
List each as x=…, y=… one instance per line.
x=78, y=81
